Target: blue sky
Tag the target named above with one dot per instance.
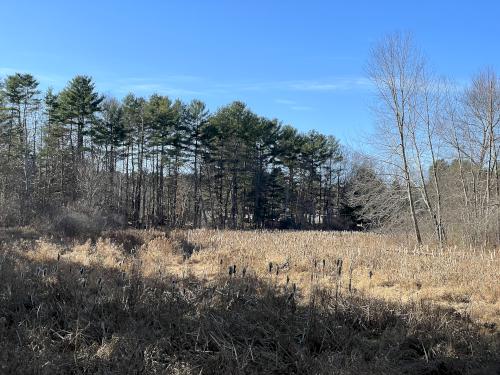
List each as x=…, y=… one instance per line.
x=299, y=61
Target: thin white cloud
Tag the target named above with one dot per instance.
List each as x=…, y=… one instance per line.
x=293, y=105
x=191, y=85
x=163, y=78
x=285, y=101
x=301, y=108
x=150, y=88
x=334, y=84
x=319, y=85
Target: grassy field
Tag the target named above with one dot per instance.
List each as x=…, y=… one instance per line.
x=234, y=302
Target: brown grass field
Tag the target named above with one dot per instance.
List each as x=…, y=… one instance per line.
x=245, y=302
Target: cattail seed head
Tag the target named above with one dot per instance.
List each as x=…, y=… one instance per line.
x=270, y=267
x=339, y=266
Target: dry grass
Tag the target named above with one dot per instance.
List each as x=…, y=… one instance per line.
x=468, y=280
x=340, y=303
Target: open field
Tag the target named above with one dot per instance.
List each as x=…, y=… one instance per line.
x=298, y=302
x=466, y=280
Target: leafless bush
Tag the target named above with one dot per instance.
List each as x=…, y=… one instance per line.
x=72, y=223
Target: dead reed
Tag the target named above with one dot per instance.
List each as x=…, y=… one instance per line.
x=244, y=302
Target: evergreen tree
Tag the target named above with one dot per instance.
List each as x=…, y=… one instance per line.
x=79, y=106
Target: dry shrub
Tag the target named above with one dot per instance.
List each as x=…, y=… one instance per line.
x=71, y=223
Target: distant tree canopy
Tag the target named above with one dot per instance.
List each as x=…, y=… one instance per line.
x=161, y=162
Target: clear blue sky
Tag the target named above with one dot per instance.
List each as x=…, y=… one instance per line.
x=299, y=61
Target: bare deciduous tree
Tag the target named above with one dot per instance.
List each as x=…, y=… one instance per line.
x=396, y=69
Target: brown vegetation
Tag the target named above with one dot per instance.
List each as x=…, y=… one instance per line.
x=202, y=301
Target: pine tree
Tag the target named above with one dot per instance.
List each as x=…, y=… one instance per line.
x=79, y=105
x=21, y=94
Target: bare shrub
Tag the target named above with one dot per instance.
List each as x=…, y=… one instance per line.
x=72, y=223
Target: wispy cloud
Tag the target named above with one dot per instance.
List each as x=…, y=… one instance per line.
x=187, y=85
x=293, y=105
x=301, y=108
x=317, y=85
x=172, y=85
x=158, y=88
x=332, y=84
x=285, y=101
x=180, y=85
x=163, y=78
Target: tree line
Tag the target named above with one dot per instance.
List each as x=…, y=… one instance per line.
x=160, y=162
x=430, y=170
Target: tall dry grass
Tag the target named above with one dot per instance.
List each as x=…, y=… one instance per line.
x=211, y=302
x=467, y=280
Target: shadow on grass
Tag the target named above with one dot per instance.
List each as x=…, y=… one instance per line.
x=59, y=317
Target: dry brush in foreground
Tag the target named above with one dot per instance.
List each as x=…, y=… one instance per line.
x=206, y=302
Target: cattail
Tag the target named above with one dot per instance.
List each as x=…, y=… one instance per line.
x=58, y=257
x=324, y=263
x=370, y=274
x=315, y=263
x=287, y=279
x=234, y=268
x=244, y=271
x=220, y=262
x=270, y=267
x=230, y=270
x=339, y=266
x=294, y=287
